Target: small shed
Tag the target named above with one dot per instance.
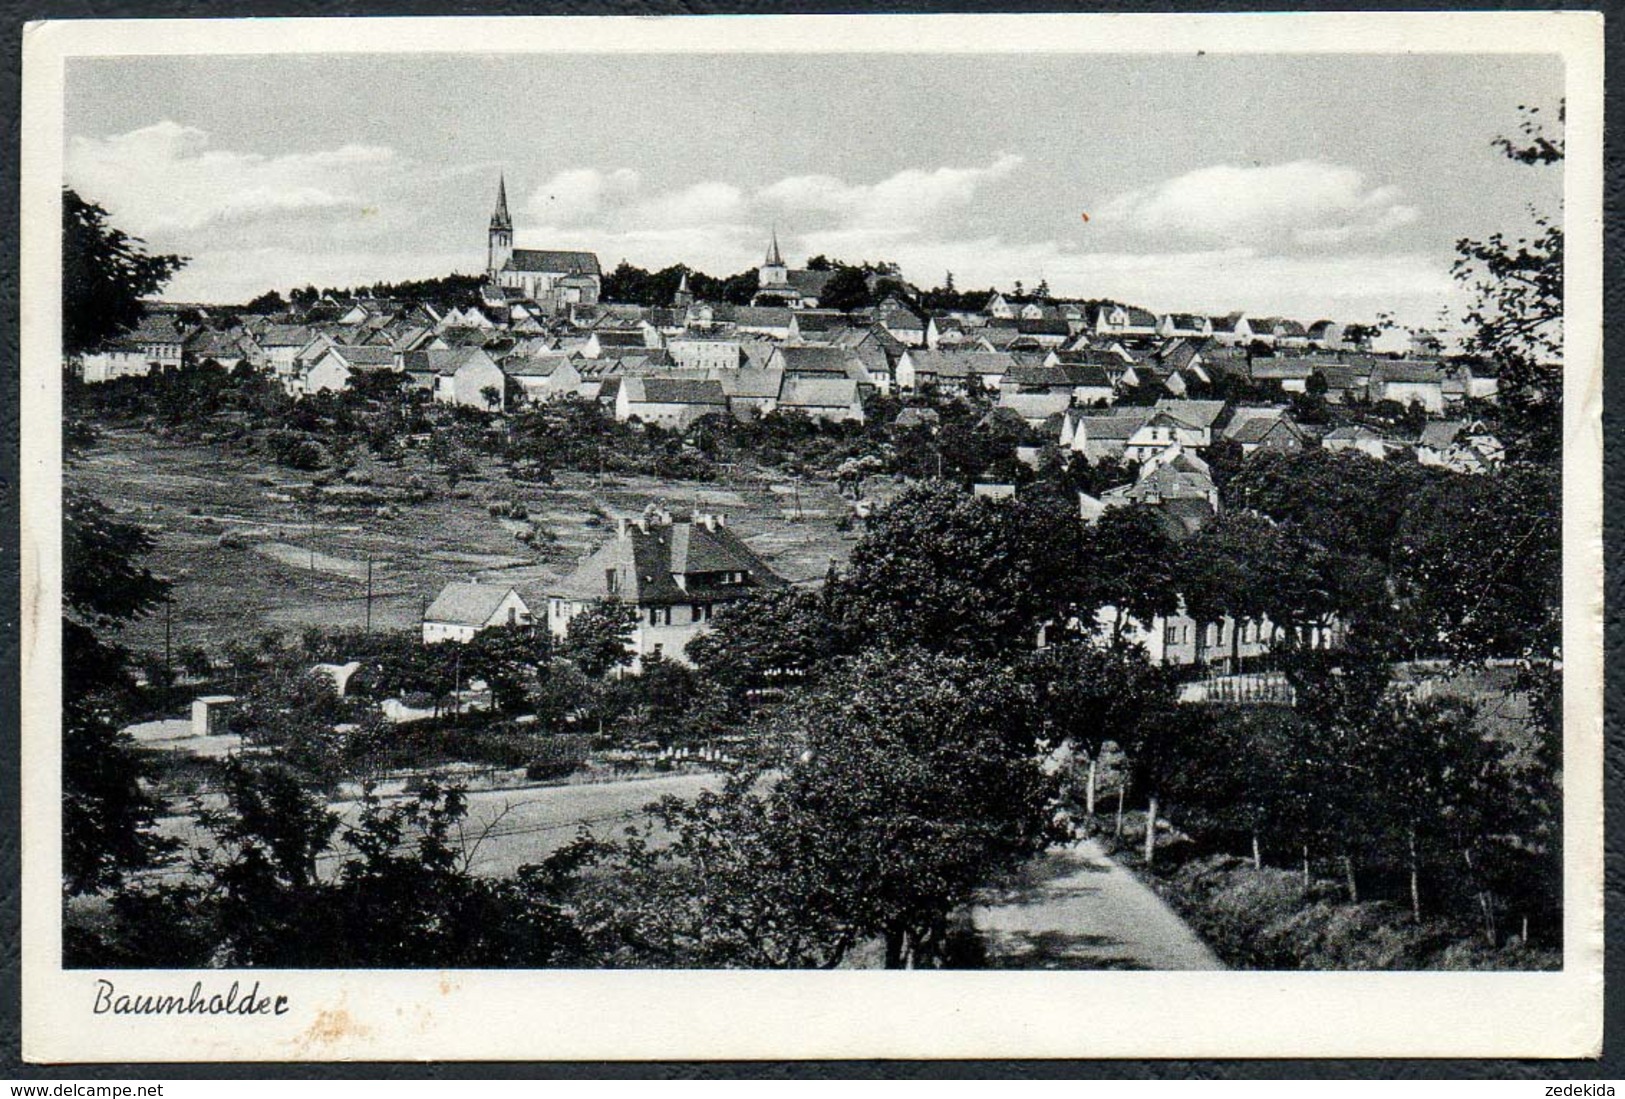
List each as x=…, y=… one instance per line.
x=209, y=714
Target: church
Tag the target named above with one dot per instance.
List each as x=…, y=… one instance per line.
x=777, y=284
x=552, y=279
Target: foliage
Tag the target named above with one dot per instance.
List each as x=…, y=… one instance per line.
x=1478, y=563
x=105, y=274
x=942, y=568
x=108, y=819
x=775, y=635
x=1517, y=310
x=907, y=779
x=509, y=659
x=599, y=638
x=398, y=892
x=1128, y=564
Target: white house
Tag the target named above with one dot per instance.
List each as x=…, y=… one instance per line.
x=668, y=402
x=465, y=376
x=462, y=610
x=675, y=573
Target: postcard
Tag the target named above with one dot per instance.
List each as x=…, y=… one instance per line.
x=804, y=537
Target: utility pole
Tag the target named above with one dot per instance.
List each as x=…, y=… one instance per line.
x=369, y=593
x=169, y=604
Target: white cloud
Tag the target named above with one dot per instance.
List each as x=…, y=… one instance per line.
x=909, y=201
x=618, y=201
x=166, y=177
x=713, y=224
x=1310, y=202
x=1344, y=287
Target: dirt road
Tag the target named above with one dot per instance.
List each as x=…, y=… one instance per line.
x=505, y=829
x=1074, y=908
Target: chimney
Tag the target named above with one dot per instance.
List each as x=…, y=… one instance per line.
x=621, y=527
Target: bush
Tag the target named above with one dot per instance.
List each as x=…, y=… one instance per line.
x=1268, y=919
x=558, y=756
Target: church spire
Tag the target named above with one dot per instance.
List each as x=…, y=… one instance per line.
x=774, y=259
x=500, y=219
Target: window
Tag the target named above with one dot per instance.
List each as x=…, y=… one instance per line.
x=654, y=616
x=612, y=581
x=1170, y=635
x=694, y=613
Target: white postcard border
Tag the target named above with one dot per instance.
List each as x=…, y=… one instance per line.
x=547, y=1014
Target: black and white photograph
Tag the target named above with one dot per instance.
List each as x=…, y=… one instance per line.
x=873, y=496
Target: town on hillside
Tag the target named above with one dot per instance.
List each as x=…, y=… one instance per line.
x=812, y=578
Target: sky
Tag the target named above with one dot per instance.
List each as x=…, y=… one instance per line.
x=1307, y=186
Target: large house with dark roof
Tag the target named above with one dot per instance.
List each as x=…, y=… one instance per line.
x=676, y=573
x=549, y=277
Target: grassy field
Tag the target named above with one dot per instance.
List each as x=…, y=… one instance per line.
x=283, y=567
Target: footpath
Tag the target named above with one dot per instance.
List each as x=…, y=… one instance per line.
x=1074, y=908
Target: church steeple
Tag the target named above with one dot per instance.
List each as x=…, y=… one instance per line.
x=500, y=218
x=684, y=296
x=774, y=259
x=499, y=239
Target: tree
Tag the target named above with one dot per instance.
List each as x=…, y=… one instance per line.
x=1223, y=572
x=908, y=779
x=776, y=635
x=1093, y=697
x=108, y=818
x=1128, y=566
x=846, y=290
x=268, y=302
x=1478, y=564
x=1517, y=310
x=945, y=569
x=296, y=714
x=600, y=638
x=399, y=892
x=509, y=659
x=105, y=274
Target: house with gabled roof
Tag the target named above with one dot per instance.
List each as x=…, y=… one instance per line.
x=668, y=402
x=1232, y=329
x=1184, y=325
x=1098, y=435
x=460, y=375
x=1124, y=320
x=1465, y=446
x=462, y=610
x=543, y=376
x=1036, y=407
x=829, y=361
x=952, y=371
x=1256, y=428
x=816, y=325
x=1360, y=438
x=831, y=399
x=676, y=573
x=691, y=352
x=212, y=345
x=751, y=392
x=1407, y=382
x=905, y=323
x=332, y=370
x=1199, y=416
